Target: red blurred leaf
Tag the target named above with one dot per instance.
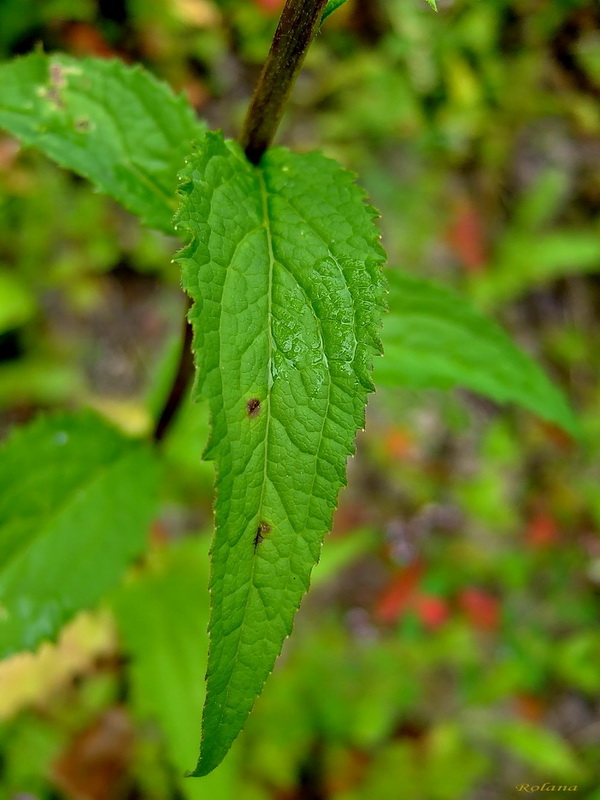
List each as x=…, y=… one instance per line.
x=398, y=595
x=432, y=610
x=9, y=150
x=350, y=516
x=542, y=531
x=530, y=707
x=560, y=438
x=466, y=238
x=481, y=608
x=270, y=7
x=399, y=443
x=82, y=39
x=197, y=93
x=159, y=533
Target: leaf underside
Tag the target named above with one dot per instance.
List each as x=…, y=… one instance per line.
x=114, y=124
x=284, y=267
x=76, y=501
x=434, y=338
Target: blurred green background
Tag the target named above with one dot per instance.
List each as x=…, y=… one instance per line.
x=449, y=648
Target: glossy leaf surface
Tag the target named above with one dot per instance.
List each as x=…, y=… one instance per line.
x=284, y=269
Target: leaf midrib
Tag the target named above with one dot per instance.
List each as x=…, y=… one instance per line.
x=251, y=585
x=269, y=234
x=264, y=194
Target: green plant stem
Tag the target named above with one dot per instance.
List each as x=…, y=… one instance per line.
x=300, y=20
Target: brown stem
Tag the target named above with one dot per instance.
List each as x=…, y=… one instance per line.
x=180, y=385
x=300, y=20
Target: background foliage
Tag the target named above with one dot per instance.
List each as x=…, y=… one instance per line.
x=450, y=641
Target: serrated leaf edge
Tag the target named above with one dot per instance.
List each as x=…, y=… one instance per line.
x=180, y=222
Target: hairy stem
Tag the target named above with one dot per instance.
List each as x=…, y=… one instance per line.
x=300, y=20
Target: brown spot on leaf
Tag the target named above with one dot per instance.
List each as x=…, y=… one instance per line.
x=253, y=407
x=263, y=530
x=55, y=84
x=82, y=125
x=57, y=76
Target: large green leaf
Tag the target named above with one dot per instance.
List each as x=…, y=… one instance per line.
x=114, y=124
x=76, y=500
x=284, y=269
x=433, y=338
